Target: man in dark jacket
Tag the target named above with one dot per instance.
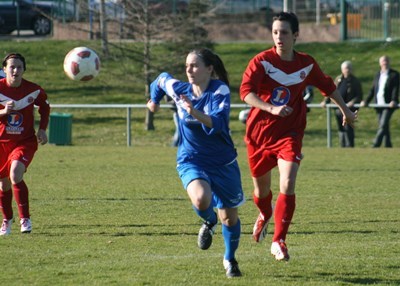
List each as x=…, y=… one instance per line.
x=385, y=90
x=350, y=89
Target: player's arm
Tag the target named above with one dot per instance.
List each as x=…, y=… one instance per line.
x=349, y=117
x=255, y=101
x=165, y=84
x=44, y=111
x=197, y=114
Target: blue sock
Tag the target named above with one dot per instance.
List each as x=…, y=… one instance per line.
x=231, y=236
x=207, y=215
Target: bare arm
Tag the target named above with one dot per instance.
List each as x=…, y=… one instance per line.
x=255, y=101
x=349, y=117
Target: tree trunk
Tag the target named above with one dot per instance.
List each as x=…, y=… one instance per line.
x=103, y=29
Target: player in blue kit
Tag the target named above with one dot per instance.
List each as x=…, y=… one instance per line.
x=206, y=156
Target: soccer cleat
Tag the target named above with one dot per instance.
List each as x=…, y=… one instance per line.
x=260, y=228
x=279, y=250
x=206, y=233
x=6, y=227
x=232, y=268
x=26, y=225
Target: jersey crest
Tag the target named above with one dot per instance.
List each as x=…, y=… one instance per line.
x=280, y=96
x=14, y=122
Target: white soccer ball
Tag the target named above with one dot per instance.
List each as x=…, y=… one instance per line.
x=81, y=64
x=243, y=115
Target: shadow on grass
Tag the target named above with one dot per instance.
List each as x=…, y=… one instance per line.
x=126, y=199
x=358, y=280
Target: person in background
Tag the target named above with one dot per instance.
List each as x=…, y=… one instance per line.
x=350, y=89
x=18, y=139
x=2, y=74
x=385, y=90
x=206, y=156
x=273, y=85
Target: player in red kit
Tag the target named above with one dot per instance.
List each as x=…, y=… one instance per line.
x=18, y=139
x=273, y=84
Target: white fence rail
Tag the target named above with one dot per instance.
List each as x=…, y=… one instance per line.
x=129, y=108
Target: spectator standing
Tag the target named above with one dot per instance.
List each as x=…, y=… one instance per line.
x=385, y=90
x=350, y=89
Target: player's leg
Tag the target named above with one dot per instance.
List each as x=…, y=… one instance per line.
x=199, y=192
x=284, y=208
x=6, y=206
x=261, y=162
x=231, y=229
x=5, y=190
x=21, y=194
x=262, y=198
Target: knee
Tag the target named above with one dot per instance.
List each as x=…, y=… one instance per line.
x=230, y=220
x=200, y=203
x=15, y=177
x=288, y=186
x=5, y=185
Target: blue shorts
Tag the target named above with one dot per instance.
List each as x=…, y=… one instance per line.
x=225, y=182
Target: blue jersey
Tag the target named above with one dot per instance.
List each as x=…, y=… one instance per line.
x=198, y=144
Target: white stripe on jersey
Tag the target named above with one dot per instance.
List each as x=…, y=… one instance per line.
x=23, y=102
x=284, y=78
x=223, y=89
x=169, y=88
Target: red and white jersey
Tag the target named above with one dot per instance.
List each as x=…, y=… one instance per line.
x=20, y=123
x=280, y=83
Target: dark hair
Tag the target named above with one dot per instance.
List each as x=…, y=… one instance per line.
x=211, y=59
x=14, y=56
x=288, y=17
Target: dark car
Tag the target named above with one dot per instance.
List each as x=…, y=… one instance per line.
x=32, y=16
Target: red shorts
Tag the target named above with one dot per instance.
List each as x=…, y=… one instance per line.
x=264, y=158
x=19, y=151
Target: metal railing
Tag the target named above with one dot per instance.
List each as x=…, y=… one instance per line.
x=129, y=108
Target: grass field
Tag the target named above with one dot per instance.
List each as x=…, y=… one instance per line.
x=105, y=214
x=119, y=216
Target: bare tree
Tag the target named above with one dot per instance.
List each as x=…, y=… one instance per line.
x=150, y=24
x=103, y=29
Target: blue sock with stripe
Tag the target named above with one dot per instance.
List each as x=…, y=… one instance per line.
x=231, y=236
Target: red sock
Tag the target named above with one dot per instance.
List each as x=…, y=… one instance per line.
x=22, y=199
x=284, y=210
x=6, y=204
x=264, y=204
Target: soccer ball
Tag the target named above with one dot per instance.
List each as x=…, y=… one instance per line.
x=82, y=64
x=243, y=115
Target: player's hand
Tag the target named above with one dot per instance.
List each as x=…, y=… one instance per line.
x=41, y=136
x=9, y=107
x=187, y=104
x=153, y=107
x=350, y=119
x=283, y=111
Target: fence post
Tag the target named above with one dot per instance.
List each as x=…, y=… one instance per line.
x=128, y=126
x=328, y=126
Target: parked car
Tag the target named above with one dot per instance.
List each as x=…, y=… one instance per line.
x=35, y=16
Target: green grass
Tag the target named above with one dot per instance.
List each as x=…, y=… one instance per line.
x=104, y=214
x=119, y=216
